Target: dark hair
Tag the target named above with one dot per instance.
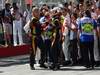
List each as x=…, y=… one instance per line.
x=15, y=6
x=75, y=14
x=96, y=0
x=33, y=6
x=65, y=4
x=88, y=13
x=7, y=4
x=81, y=1
x=44, y=5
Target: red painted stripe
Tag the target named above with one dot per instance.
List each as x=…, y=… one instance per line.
x=14, y=51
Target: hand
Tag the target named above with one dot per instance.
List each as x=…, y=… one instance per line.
x=29, y=34
x=63, y=38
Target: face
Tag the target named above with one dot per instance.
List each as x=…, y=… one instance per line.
x=98, y=11
x=72, y=17
x=28, y=6
x=36, y=13
x=64, y=12
x=8, y=7
x=81, y=7
x=44, y=11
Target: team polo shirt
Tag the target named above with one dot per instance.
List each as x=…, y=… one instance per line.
x=87, y=26
x=36, y=27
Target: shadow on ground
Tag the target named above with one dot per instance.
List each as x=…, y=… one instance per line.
x=1, y=72
x=80, y=69
x=6, y=63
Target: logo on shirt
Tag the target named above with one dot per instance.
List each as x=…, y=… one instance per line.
x=87, y=27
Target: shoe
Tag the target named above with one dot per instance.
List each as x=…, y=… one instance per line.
x=15, y=44
x=51, y=67
x=97, y=64
x=66, y=63
x=56, y=68
x=87, y=67
x=92, y=67
x=73, y=64
x=43, y=66
x=32, y=68
x=21, y=44
x=6, y=45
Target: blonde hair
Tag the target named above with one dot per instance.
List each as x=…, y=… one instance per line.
x=35, y=9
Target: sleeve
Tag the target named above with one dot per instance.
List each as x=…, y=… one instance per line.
x=79, y=24
x=95, y=24
x=42, y=20
x=65, y=22
x=25, y=14
x=34, y=21
x=98, y=22
x=27, y=27
x=12, y=10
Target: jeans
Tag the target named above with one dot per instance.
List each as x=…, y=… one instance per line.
x=17, y=30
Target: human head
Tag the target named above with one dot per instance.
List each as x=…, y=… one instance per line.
x=7, y=6
x=28, y=6
x=87, y=13
x=74, y=16
x=14, y=4
x=35, y=12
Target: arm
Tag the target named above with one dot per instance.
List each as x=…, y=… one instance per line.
x=96, y=28
x=99, y=32
x=74, y=26
x=79, y=30
x=53, y=39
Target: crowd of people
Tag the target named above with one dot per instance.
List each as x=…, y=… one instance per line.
x=65, y=35
x=11, y=25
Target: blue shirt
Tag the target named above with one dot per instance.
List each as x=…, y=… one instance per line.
x=87, y=26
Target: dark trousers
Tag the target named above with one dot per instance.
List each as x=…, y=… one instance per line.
x=40, y=44
x=56, y=53
x=48, y=50
x=99, y=45
x=73, y=50
x=87, y=53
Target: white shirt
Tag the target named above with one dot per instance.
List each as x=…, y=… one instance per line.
x=94, y=15
x=27, y=15
x=16, y=14
x=66, y=23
